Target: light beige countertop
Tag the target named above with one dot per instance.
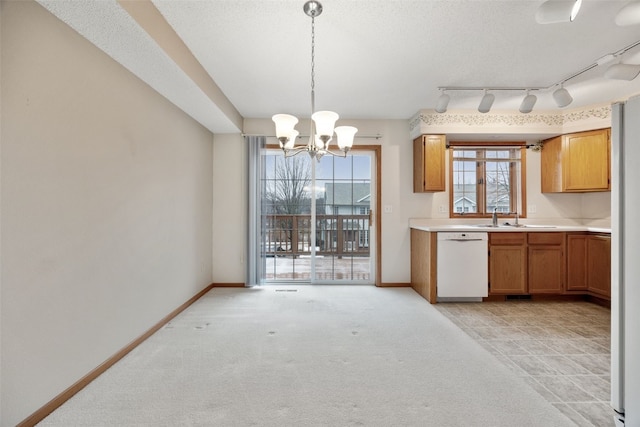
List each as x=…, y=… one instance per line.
x=484, y=225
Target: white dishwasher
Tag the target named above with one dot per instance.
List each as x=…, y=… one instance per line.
x=462, y=266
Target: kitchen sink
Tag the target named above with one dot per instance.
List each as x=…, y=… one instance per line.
x=507, y=225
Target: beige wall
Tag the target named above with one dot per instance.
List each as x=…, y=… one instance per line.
x=396, y=187
x=106, y=208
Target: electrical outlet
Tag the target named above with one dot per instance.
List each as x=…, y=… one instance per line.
x=442, y=209
x=532, y=209
x=388, y=209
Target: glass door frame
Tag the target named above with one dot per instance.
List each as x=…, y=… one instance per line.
x=375, y=225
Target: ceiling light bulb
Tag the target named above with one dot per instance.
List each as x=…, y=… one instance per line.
x=629, y=15
x=622, y=71
x=345, y=136
x=284, y=124
x=562, y=97
x=527, y=103
x=443, y=102
x=486, y=102
x=291, y=141
x=325, y=121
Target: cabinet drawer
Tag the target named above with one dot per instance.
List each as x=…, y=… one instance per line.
x=546, y=238
x=507, y=238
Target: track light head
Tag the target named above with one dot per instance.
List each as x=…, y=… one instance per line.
x=527, y=103
x=555, y=11
x=443, y=102
x=629, y=15
x=562, y=97
x=486, y=102
x=622, y=71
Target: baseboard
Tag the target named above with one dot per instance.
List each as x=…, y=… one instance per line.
x=394, y=285
x=57, y=401
x=228, y=285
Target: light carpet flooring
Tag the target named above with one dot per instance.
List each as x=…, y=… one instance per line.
x=562, y=349
x=309, y=356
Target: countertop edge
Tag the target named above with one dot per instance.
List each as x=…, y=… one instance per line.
x=503, y=229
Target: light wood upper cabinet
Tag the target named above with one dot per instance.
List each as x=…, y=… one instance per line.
x=429, y=163
x=577, y=162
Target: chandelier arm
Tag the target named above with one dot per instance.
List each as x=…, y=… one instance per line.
x=340, y=154
x=294, y=151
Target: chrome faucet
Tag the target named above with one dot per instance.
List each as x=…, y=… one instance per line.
x=494, y=218
x=516, y=223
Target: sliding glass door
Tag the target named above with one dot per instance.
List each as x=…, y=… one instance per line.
x=315, y=218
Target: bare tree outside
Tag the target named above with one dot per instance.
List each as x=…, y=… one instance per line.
x=288, y=193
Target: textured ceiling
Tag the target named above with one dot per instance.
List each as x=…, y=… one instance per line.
x=374, y=58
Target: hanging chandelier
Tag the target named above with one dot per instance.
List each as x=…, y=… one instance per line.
x=322, y=122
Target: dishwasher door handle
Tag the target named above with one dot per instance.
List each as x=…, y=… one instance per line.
x=463, y=240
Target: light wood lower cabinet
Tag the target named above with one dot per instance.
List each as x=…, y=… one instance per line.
x=546, y=263
x=576, y=262
x=599, y=265
x=507, y=263
x=423, y=264
x=526, y=263
x=589, y=264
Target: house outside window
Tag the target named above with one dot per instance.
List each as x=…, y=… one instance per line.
x=486, y=177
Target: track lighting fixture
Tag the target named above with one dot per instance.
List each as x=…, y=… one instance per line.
x=486, y=102
x=443, y=102
x=562, y=97
x=527, y=103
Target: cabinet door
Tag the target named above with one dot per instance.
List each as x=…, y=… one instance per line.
x=551, y=165
x=429, y=163
x=599, y=265
x=546, y=265
x=546, y=269
x=585, y=161
x=576, y=262
x=508, y=269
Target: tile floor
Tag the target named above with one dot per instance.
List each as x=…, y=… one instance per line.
x=562, y=349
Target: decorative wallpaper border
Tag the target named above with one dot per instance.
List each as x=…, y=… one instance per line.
x=430, y=118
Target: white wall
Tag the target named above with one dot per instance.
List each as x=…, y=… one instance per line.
x=106, y=208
